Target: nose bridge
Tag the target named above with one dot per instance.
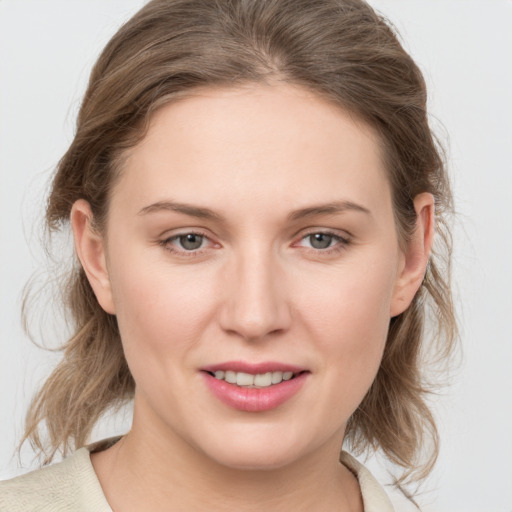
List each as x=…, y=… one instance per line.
x=256, y=303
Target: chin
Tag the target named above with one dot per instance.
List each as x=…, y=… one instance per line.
x=256, y=451
x=255, y=460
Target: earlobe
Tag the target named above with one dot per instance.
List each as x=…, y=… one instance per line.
x=415, y=256
x=90, y=249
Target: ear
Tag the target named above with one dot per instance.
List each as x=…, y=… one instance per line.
x=90, y=249
x=415, y=256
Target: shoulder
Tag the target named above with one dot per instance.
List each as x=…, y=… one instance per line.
x=375, y=498
x=70, y=485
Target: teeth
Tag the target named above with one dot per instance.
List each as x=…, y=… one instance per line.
x=260, y=380
x=230, y=377
x=244, y=379
x=263, y=380
x=277, y=377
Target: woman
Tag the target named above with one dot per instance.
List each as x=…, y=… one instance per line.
x=252, y=189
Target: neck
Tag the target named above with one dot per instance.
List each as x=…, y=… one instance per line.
x=145, y=471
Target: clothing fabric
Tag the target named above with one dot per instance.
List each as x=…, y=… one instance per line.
x=72, y=486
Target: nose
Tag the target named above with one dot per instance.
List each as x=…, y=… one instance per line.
x=255, y=302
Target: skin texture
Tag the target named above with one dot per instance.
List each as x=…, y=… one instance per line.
x=256, y=290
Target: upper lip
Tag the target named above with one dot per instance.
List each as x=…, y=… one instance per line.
x=253, y=368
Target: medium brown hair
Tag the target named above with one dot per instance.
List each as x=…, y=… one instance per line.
x=339, y=49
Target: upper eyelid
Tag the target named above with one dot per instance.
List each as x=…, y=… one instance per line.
x=176, y=233
x=171, y=238
x=299, y=235
x=337, y=238
x=185, y=233
x=338, y=233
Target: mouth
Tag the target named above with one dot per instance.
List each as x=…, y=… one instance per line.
x=254, y=387
x=258, y=380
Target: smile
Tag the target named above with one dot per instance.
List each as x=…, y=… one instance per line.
x=259, y=380
x=254, y=387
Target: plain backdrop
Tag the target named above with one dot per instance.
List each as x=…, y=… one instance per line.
x=464, y=48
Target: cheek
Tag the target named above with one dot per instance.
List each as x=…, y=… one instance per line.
x=349, y=317
x=353, y=298
x=161, y=310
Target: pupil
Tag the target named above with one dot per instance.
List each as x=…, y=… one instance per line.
x=191, y=241
x=320, y=240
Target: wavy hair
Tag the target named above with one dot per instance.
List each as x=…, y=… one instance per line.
x=341, y=50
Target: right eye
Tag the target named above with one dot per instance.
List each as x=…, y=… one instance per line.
x=190, y=241
x=186, y=244
x=321, y=240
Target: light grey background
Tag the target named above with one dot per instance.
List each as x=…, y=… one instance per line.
x=465, y=50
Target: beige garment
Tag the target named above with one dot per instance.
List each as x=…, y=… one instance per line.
x=72, y=486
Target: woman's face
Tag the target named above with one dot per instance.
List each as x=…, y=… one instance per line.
x=250, y=237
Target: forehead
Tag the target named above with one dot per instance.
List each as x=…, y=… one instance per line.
x=279, y=143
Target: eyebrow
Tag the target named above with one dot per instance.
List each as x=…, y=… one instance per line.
x=327, y=209
x=186, y=209
x=206, y=213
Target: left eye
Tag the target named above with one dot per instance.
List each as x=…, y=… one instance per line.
x=320, y=240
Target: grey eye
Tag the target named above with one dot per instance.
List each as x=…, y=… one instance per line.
x=320, y=240
x=191, y=241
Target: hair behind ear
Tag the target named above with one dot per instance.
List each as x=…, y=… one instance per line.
x=91, y=377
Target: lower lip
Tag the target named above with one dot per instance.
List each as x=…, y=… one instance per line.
x=255, y=399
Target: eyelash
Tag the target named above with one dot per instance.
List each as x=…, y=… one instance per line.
x=167, y=244
x=341, y=243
